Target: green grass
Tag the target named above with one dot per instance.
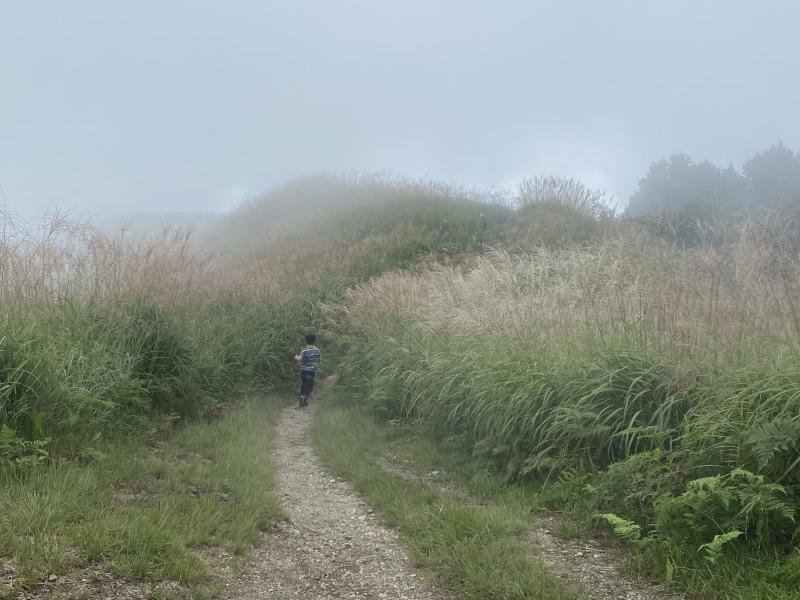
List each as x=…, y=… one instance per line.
x=474, y=547
x=441, y=520
x=607, y=431
x=143, y=507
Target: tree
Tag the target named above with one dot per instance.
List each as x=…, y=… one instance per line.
x=678, y=185
x=773, y=178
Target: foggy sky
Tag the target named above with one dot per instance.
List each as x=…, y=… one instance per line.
x=125, y=107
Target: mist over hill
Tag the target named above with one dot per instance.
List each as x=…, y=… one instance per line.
x=155, y=223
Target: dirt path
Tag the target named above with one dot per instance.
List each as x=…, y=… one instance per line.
x=593, y=569
x=333, y=546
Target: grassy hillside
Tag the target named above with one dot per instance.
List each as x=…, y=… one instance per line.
x=636, y=385
x=642, y=387
x=101, y=330
x=114, y=352
x=111, y=342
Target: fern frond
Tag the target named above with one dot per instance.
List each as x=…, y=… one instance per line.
x=622, y=527
x=766, y=440
x=714, y=547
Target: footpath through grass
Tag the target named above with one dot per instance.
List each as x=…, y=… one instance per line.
x=142, y=509
x=476, y=549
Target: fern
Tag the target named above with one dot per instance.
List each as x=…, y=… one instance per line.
x=740, y=500
x=625, y=529
x=17, y=451
x=766, y=440
x=710, y=489
x=759, y=499
x=714, y=547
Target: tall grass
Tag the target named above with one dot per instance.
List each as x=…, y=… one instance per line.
x=106, y=333
x=675, y=366
x=109, y=332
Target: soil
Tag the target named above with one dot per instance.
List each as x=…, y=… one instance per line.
x=97, y=583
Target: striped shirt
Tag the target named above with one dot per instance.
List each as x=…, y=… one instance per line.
x=309, y=359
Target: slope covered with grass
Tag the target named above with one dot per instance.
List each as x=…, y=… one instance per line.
x=102, y=332
x=111, y=343
x=642, y=387
x=639, y=385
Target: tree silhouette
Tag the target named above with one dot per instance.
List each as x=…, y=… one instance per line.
x=773, y=178
x=679, y=185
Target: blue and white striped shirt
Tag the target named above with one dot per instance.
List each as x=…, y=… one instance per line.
x=309, y=359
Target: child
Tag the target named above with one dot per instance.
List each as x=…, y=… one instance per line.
x=309, y=361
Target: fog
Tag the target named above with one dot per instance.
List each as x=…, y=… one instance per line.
x=151, y=106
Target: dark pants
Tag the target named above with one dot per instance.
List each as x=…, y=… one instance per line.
x=306, y=382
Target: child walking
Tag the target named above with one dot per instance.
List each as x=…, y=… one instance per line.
x=309, y=362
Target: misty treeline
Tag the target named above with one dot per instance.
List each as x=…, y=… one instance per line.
x=690, y=190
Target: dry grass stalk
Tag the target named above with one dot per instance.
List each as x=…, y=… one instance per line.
x=63, y=259
x=732, y=306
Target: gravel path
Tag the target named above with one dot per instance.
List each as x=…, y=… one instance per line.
x=333, y=546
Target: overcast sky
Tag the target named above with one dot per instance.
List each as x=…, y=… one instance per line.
x=118, y=108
